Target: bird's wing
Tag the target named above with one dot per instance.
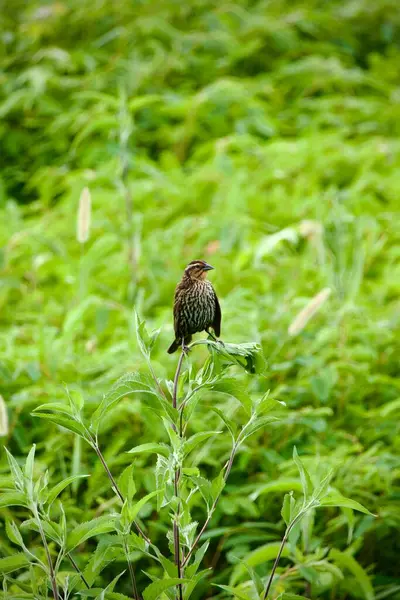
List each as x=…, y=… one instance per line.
x=216, y=324
x=177, y=308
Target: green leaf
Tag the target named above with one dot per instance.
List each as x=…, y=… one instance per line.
x=254, y=425
x=99, y=97
x=15, y=470
x=76, y=316
x=256, y=579
x=197, y=439
x=13, y=563
x=236, y=389
x=288, y=596
x=288, y=508
x=326, y=567
x=138, y=103
x=13, y=533
x=89, y=529
x=136, y=542
x=322, y=487
x=126, y=483
x=321, y=385
x=77, y=400
x=231, y=425
x=217, y=485
x=169, y=567
x=155, y=589
x=56, y=407
x=389, y=407
x=30, y=459
x=57, y=489
x=52, y=530
x=132, y=383
x=335, y=499
x=107, y=593
x=174, y=438
x=283, y=484
x=205, y=489
x=103, y=124
x=346, y=561
x=199, y=555
x=304, y=476
x=296, y=528
x=134, y=511
x=191, y=471
x=234, y=591
x=267, y=404
x=151, y=447
x=194, y=581
x=145, y=341
x=12, y=499
x=103, y=594
x=110, y=587
x=66, y=422
x=263, y=554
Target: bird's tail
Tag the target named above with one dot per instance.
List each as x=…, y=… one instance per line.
x=173, y=347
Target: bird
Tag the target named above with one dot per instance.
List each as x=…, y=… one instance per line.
x=196, y=306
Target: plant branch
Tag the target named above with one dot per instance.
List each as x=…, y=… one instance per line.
x=131, y=572
x=176, y=379
x=284, y=540
x=77, y=569
x=177, y=476
x=213, y=507
x=115, y=485
x=156, y=380
x=48, y=556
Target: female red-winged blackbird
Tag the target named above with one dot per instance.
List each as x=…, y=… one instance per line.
x=196, y=306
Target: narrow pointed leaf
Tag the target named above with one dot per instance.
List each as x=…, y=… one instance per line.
x=57, y=489
x=234, y=591
x=89, y=529
x=197, y=439
x=335, y=499
x=13, y=563
x=157, y=588
x=149, y=448
x=304, y=476
x=12, y=499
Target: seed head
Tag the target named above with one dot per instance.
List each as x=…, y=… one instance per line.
x=3, y=417
x=84, y=214
x=308, y=312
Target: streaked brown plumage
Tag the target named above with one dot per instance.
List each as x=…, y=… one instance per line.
x=196, y=306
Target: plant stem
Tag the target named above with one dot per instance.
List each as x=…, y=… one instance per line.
x=176, y=379
x=115, y=485
x=48, y=556
x=77, y=569
x=285, y=537
x=213, y=507
x=284, y=540
x=177, y=476
x=131, y=572
x=156, y=380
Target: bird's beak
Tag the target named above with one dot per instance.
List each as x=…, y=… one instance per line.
x=207, y=267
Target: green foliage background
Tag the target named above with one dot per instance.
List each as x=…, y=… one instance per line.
x=263, y=137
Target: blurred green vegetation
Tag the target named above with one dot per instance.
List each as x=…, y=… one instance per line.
x=264, y=138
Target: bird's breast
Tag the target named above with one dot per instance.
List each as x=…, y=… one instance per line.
x=198, y=306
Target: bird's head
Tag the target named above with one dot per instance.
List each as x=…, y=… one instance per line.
x=197, y=269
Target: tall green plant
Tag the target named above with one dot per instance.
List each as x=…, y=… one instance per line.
x=178, y=483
